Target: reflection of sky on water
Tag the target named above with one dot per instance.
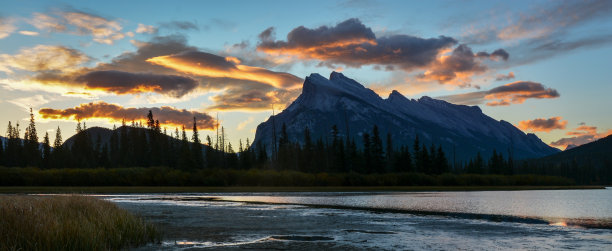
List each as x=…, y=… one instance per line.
x=582, y=204
x=559, y=207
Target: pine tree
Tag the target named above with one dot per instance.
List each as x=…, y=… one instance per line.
x=197, y=146
x=186, y=159
x=390, y=151
x=377, y=151
x=418, y=156
x=367, y=153
x=441, y=163
x=31, y=147
x=46, y=158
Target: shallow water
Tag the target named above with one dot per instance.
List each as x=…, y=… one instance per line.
x=532, y=220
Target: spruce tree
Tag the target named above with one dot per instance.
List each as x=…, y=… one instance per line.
x=197, y=146
x=377, y=151
x=31, y=147
x=46, y=158
x=367, y=153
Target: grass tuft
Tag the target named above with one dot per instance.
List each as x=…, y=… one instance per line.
x=69, y=223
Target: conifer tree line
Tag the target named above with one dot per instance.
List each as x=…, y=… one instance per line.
x=147, y=145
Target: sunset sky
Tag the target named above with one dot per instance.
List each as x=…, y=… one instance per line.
x=544, y=66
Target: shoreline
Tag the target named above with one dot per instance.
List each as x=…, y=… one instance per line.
x=246, y=189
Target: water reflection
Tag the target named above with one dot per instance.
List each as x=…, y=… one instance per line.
x=591, y=208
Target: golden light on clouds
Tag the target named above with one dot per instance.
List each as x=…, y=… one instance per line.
x=209, y=65
x=113, y=113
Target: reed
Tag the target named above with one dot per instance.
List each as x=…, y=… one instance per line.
x=70, y=222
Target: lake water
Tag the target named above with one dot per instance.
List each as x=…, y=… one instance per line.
x=486, y=220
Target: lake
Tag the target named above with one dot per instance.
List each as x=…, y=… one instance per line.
x=482, y=220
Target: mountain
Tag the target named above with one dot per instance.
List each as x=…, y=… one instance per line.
x=354, y=109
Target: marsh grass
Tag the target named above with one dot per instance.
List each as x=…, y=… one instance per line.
x=69, y=223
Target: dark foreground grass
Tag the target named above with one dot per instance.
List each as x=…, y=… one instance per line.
x=69, y=223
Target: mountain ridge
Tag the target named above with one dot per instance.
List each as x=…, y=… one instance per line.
x=355, y=109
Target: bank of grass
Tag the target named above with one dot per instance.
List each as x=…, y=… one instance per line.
x=163, y=176
x=69, y=222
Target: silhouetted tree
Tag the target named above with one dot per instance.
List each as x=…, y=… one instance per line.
x=196, y=146
x=46, y=157
x=31, y=145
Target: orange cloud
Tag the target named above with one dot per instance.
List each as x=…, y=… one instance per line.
x=582, y=135
x=518, y=92
x=458, y=67
x=512, y=93
x=167, y=116
x=542, y=125
x=210, y=65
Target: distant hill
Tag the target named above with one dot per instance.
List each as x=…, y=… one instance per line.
x=104, y=134
x=596, y=154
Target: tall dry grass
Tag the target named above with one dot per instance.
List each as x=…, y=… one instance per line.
x=69, y=223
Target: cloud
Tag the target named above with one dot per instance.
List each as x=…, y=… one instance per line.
x=245, y=123
x=544, y=30
x=221, y=24
x=353, y=44
x=129, y=83
x=253, y=99
x=167, y=116
x=512, y=93
x=131, y=73
x=502, y=77
x=7, y=27
x=43, y=58
x=542, y=125
x=462, y=63
x=518, y=92
x=495, y=55
x=210, y=65
x=32, y=101
x=29, y=33
x=581, y=135
x=78, y=22
x=179, y=25
x=46, y=22
x=142, y=28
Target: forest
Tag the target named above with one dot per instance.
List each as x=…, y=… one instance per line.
x=150, y=150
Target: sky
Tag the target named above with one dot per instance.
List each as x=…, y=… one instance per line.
x=541, y=65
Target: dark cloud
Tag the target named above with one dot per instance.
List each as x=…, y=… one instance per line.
x=518, y=92
x=497, y=54
x=512, y=93
x=542, y=125
x=267, y=35
x=461, y=60
x=502, y=77
x=132, y=83
x=353, y=44
x=167, y=116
